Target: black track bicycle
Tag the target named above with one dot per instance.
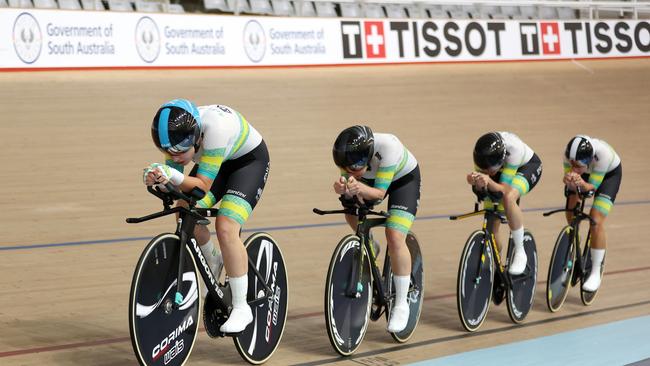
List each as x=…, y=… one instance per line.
x=570, y=263
x=483, y=275
x=165, y=298
x=356, y=291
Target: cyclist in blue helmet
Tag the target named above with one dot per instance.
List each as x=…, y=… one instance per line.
x=231, y=165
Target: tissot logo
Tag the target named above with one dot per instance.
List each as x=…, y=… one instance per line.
x=529, y=39
x=373, y=39
x=550, y=38
x=548, y=34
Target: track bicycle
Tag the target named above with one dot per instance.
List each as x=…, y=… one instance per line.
x=356, y=291
x=478, y=282
x=567, y=266
x=165, y=293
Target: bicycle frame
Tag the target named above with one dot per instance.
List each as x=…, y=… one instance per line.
x=362, y=231
x=578, y=216
x=187, y=219
x=487, y=231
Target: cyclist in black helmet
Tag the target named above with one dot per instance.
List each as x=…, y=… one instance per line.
x=591, y=164
x=231, y=165
x=374, y=166
x=503, y=163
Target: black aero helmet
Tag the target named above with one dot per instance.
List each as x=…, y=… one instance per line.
x=176, y=127
x=580, y=149
x=354, y=147
x=489, y=151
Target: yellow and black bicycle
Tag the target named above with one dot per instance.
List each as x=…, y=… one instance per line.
x=483, y=275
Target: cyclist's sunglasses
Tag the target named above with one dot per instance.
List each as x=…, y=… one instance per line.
x=582, y=162
x=358, y=165
x=182, y=146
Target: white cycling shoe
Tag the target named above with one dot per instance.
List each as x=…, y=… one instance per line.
x=399, y=318
x=518, y=263
x=238, y=320
x=593, y=282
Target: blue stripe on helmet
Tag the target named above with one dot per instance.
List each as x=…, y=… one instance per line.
x=186, y=105
x=163, y=124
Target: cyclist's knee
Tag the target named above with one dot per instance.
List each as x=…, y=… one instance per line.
x=227, y=230
x=511, y=195
x=599, y=220
x=201, y=234
x=395, y=238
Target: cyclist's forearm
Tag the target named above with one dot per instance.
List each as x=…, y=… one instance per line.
x=199, y=181
x=371, y=193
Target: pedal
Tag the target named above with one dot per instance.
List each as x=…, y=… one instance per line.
x=213, y=318
x=233, y=334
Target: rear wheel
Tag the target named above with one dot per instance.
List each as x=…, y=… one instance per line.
x=416, y=290
x=521, y=293
x=257, y=343
x=162, y=333
x=474, y=282
x=346, y=316
x=560, y=270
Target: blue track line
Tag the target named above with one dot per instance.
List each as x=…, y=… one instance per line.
x=269, y=228
x=616, y=343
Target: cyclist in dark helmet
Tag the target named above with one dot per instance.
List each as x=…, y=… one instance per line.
x=374, y=166
x=504, y=163
x=592, y=164
x=231, y=165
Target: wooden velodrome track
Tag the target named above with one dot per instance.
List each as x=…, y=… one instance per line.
x=74, y=144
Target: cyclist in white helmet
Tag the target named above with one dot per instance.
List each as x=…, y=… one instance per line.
x=591, y=164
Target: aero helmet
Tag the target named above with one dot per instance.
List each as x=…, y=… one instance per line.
x=580, y=149
x=489, y=151
x=176, y=127
x=354, y=147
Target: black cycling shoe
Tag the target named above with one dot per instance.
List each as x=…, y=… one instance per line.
x=498, y=291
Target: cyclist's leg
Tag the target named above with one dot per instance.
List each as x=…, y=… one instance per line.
x=202, y=233
x=243, y=189
x=404, y=197
x=603, y=203
x=524, y=181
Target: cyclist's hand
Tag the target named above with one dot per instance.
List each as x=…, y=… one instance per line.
x=340, y=186
x=354, y=187
x=470, y=178
x=162, y=174
x=480, y=181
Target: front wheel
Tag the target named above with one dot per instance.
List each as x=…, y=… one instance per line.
x=416, y=290
x=257, y=343
x=163, y=332
x=521, y=293
x=474, y=282
x=346, y=315
x=560, y=270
